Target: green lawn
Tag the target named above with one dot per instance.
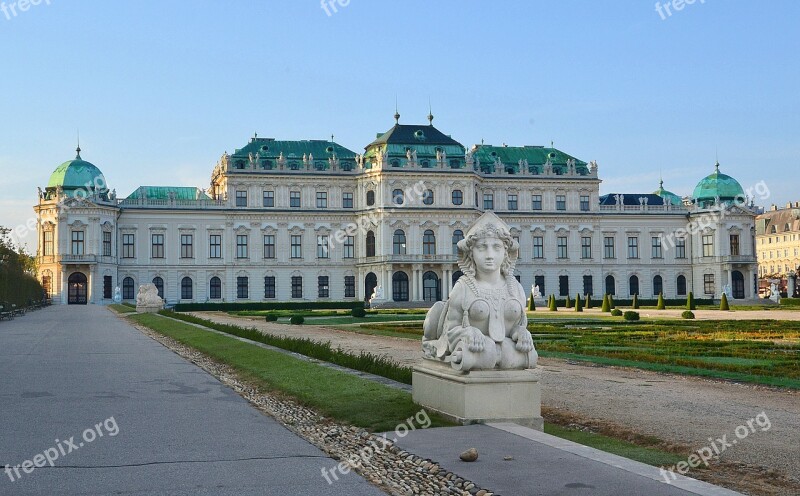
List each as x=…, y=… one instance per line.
x=122, y=308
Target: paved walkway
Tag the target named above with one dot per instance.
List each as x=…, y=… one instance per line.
x=73, y=373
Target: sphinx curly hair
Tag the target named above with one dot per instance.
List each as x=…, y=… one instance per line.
x=467, y=264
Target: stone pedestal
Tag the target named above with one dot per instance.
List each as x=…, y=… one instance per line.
x=479, y=396
x=149, y=308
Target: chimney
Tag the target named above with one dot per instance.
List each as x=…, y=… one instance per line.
x=773, y=207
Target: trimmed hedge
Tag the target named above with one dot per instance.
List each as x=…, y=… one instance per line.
x=297, y=319
x=271, y=317
x=687, y=314
x=616, y=312
x=631, y=316
x=358, y=313
x=268, y=305
x=790, y=302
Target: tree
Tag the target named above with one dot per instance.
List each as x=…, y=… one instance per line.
x=690, y=305
x=661, y=305
x=578, y=304
x=553, y=307
x=532, y=305
x=611, y=302
x=588, y=303
x=723, y=304
x=606, y=305
x=635, y=304
x=568, y=303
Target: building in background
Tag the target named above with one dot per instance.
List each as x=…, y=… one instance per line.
x=312, y=220
x=778, y=246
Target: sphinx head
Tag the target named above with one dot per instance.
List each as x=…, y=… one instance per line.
x=487, y=247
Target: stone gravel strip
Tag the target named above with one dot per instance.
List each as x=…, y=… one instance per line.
x=397, y=472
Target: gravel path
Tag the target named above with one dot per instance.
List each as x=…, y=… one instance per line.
x=677, y=409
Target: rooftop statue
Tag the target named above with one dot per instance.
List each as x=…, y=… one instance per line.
x=483, y=324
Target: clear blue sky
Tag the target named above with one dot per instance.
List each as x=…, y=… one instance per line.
x=160, y=89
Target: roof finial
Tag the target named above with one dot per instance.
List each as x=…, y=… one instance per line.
x=78, y=150
x=551, y=143
x=430, y=112
x=396, y=113
x=331, y=138
x=716, y=167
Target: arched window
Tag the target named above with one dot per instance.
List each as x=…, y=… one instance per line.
x=370, y=198
x=458, y=235
x=400, y=286
x=634, y=285
x=428, y=243
x=215, y=288
x=398, y=197
x=458, y=197
x=427, y=197
x=395, y=163
x=159, y=284
x=681, y=286
x=399, y=242
x=186, y=288
x=430, y=286
x=370, y=244
x=611, y=285
x=456, y=276
x=425, y=164
x=127, y=289
x=658, y=285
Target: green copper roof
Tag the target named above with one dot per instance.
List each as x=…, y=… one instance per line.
x=717, y=185
x=535, y=155
x=412, y=135
x=163, y=193
x=268, y=150
x=667, y=196
x=77, y=174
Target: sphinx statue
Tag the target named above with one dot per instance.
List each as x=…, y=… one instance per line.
x=483, y=325
x=147, y=300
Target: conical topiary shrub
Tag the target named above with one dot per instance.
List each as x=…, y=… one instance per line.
x=568, y=303
x=606, y=305
x=635, y=303
x=723, y=304
x=611, y=304
x=690, y=305
x=553, y=307
x=578, y=303
x=588, y=303
x=661, y=305
x=532, y=305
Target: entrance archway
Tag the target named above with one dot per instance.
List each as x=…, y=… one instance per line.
x=370, y=283
x=77, y=288
x=738, y=285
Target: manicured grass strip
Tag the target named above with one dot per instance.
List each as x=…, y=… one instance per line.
x=122, y=308
x=335, y=394
x=678, y=369
x=365, y=362
x=650, y=456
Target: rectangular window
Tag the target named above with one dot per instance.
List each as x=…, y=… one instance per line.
x=584, y=203
x=538, y=247
x=77, y=243
x=488, y=201
x=269, y=287
x=269, y=199
x=349, y=247
x=609, y=250
x=708, y=284
x=680, y=248
x=297, y=287
x=512, y=202
x=107, y=289
x=322, y=199
x=106, y=243
x=562, y=247
x=241, y=246
x=561, y=202
x=187, y=246
x=48, y=243
x=215, y=246
x=656, y=251
x=735, y=245
x=128, y=246
x=323, y=290
x=157, y=250
x=242, y=288
x=269, y=246
x=586, y=247
x=708, y=245
x=563, y=285
x=322, y=247
x=294, y=199
x=241, y=198
x=588, y=288
x=633, y=247
x=536, y=202
x=296, y=246
x=349, y=286
x=539, y=281
x=347, y=200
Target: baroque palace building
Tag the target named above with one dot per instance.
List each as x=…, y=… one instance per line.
x=312, y=220
x=778, y=244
